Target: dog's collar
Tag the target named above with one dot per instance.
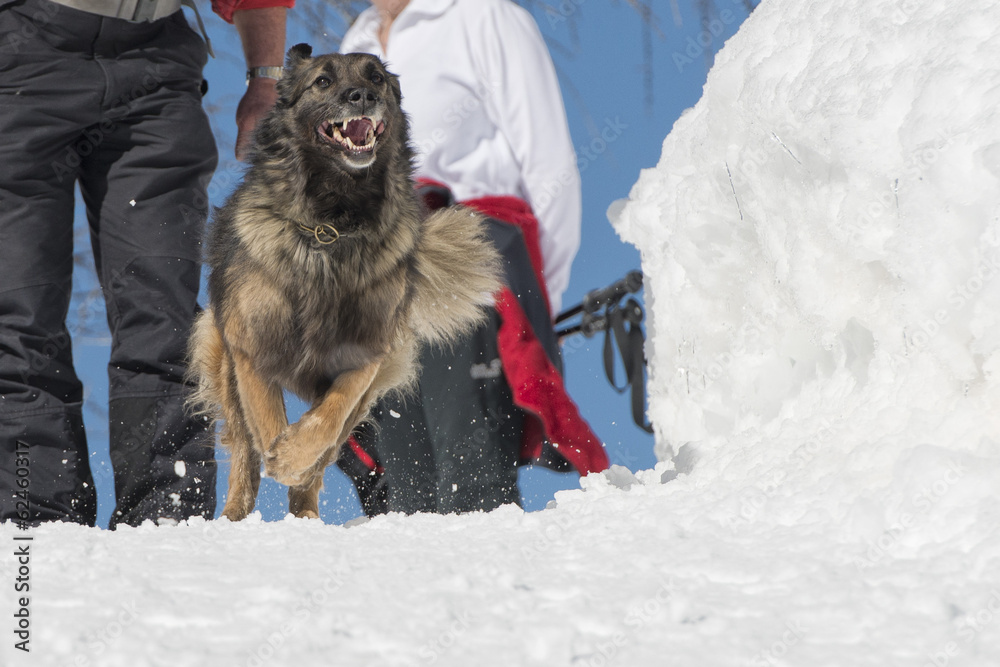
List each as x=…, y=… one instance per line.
x=324, y=233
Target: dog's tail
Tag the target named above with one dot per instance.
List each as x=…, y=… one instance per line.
x=206, y=361
x=458, y=273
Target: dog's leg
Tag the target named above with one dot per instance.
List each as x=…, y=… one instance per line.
x=245, y=458
x=261, y=411
x=302, y=444
x=212, y=366
x=303, y=500
x=262, y=402
x=244, y=478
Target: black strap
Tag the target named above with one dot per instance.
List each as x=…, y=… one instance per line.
x=614, y=332
x=367, y=475
x=630, y=342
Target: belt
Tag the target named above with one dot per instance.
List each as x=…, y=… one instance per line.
x=136, y=11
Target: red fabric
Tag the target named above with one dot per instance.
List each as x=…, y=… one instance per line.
x=539, y=390
x=434, y=194
x=535, y=383
x=537, y=387
x=364, y=456
x=225, y=8
x=517, y=212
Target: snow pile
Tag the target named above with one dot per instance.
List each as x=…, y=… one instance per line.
x=821, y=242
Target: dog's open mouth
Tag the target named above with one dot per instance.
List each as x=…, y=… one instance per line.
x=356, y=135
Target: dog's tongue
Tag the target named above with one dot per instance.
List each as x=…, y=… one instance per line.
x=357, y=130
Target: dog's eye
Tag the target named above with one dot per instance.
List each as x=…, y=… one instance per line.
x=322, y=82
x=377, y=78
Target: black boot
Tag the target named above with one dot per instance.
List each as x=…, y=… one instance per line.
x=163, y=460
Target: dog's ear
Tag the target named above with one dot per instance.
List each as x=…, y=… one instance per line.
x=297, y=55
x=287, y=88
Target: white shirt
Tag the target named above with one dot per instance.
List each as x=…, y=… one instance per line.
x=486, y=114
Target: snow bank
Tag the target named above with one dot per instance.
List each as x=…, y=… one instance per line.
x=821, y=242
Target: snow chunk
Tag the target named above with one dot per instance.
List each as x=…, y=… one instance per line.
x=821, y=250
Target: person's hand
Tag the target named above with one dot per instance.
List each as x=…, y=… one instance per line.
x=260, y=97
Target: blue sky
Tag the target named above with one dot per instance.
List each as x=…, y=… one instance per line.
x=618, y=126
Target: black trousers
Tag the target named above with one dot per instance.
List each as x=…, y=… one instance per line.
x=115, y=107
x=454, y=445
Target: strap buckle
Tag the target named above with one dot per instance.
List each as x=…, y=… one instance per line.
x=145, y=11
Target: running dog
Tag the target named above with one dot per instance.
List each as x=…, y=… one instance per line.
x=325, y=277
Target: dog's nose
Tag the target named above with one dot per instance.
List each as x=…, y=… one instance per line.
x=361, y=97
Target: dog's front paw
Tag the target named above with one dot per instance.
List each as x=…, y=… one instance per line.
x=285, y=461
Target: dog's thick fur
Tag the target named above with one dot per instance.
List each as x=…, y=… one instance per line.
x=336, y=322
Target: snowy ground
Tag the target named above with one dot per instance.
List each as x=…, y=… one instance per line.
x=651, y=575
x=821, y=244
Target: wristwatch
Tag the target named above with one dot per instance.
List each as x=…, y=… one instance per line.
x=264, y=72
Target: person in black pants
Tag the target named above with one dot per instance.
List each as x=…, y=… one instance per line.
x=476, y=76
x=454, y=444
x=114, y=105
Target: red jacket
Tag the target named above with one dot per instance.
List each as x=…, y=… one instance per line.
x=225, y=8
x=535, y=382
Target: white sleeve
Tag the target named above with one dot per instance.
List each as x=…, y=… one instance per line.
x=529, y=112
x=362, y=35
